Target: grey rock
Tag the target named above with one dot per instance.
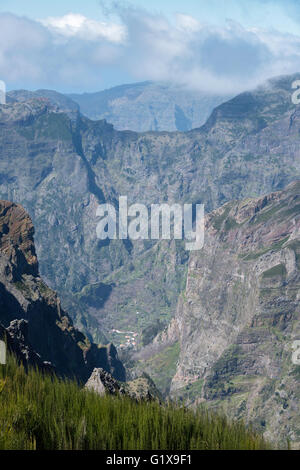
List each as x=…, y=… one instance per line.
x=142, y=388
x=102, y=382
x=149, y=106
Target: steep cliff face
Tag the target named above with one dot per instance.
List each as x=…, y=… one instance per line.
x=37, y=328
x=239, y=316
x=59, y=169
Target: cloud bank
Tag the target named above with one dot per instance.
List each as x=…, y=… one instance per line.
x=77, y=53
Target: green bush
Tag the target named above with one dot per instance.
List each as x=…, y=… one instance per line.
x=40, y=411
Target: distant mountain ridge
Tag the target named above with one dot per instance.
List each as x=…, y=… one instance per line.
x=140, y=107
x=149, y=106
x=62, y=102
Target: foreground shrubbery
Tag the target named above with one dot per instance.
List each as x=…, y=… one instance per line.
x=40, y=412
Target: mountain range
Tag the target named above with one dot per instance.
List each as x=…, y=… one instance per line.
x=140, y=107
x=152, y=297
x=149, y=106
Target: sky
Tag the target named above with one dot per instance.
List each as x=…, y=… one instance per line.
x=216, y=46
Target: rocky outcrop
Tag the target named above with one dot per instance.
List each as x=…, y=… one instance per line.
x=142, y=388
x=238, y=318
x=37, y=329
x=102, y=382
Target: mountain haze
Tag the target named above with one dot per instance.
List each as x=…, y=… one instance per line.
x=149, y=106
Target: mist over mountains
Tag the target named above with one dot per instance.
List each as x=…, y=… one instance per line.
x=149, y=106
x=140, y=107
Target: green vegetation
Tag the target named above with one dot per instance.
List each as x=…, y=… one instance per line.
x=230, y=224
x=43, y=412
x=48, y=126
x=255, y=255
x=190, y=392
x=282, y=213
x=293, y=211
x=95, y=295
x=162, y=366
x=295, y=246
x=149, y=333
x=219, y=219
x=278, y=270
x=296, y=372
x=267, y=213
x=23, y=288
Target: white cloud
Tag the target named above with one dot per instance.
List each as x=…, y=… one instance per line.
x=76, y=25
x=187, y=23
x=75, y=52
